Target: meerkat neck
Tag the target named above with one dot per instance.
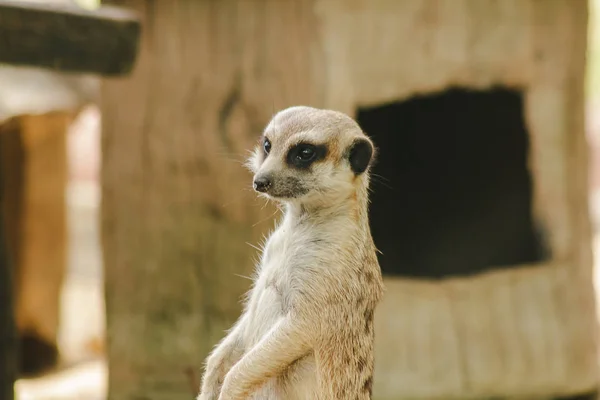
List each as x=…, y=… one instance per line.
x=354, y=206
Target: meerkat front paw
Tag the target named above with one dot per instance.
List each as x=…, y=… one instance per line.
x=209, y=391
x=226, y=389
x=223, y=395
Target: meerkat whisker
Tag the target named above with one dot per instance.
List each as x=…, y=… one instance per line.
x=265, y=219
x=244, y=276
x=254, y=247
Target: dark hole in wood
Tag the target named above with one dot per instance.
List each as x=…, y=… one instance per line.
x=451, y=188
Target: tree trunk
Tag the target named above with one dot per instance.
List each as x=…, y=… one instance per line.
x=178, y=211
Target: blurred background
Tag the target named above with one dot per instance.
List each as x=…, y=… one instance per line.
x=64, y=352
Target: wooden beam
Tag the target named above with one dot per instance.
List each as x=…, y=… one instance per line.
x=68, y=38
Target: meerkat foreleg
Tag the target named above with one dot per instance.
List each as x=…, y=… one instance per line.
x=219, y=362
x=285, y=343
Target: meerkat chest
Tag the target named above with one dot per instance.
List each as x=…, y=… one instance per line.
x=272, y=295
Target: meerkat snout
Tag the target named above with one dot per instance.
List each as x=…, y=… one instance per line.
x=310, y=154
x=262, y=184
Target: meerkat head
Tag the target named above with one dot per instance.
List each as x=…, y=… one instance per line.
x=311, y=155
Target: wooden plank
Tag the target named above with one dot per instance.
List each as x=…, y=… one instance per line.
x=69, y=38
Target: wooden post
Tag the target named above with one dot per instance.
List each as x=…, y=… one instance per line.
x=33, y=153
x=8, y=334
x=11, y=178
x=35, y=181
x=178, y=211
x=63, y=38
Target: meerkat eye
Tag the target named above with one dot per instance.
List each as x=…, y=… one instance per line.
x=306, y=153
x=267, y=146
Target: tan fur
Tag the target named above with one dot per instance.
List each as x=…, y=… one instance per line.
x=307, y=328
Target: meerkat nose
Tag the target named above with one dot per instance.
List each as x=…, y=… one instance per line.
x=262, y=184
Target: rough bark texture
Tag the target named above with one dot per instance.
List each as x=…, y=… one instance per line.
x=68, y=38
x=177, y=205
x=177, y=209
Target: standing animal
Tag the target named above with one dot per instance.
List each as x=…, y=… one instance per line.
x=306, y=331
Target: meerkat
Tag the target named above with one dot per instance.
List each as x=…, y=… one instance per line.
x=306, y=331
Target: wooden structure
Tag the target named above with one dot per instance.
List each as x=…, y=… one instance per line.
x=36, y=107
x=63, y=37
x=477, y=107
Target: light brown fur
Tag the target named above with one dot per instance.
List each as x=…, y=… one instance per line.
x=307, y=328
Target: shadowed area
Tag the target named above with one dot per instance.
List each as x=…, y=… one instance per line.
x=451, y=189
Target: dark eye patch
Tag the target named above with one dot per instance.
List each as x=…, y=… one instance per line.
x=303, y=155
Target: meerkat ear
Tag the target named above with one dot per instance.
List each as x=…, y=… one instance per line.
x=360, y=155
